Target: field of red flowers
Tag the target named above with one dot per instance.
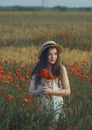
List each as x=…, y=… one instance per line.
x=20, y=111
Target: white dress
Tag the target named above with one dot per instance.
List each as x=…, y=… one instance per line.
x=55, y=103
x=57, y=100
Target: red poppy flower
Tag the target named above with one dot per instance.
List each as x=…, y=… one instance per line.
x=9, y=97
x=90, y=78
x=46, y=74
x=39, y=105
x=51, y=128
x=25, y=100
x=47, y=97
x=1, y=69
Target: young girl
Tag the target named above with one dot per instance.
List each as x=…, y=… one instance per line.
x=57, y=86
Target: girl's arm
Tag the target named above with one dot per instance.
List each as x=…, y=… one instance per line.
x=32, y=89
x=65, y=84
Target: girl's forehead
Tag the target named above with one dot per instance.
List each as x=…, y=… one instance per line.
x=52, y=49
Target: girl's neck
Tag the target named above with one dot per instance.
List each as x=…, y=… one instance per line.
x=49, y=67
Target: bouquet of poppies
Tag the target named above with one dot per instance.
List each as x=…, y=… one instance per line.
x=47, y=77
x=46, y=74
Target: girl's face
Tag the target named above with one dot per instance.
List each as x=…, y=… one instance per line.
x=52, y=55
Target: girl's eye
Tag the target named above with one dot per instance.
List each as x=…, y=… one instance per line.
x=55, y=54
x=50, y=54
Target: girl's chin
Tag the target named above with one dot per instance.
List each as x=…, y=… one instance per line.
x=52, y=63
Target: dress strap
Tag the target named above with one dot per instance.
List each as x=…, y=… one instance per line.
x=59, y=83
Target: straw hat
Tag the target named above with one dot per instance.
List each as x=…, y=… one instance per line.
x=49, y=44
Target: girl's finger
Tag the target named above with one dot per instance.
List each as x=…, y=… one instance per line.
x=44, y=87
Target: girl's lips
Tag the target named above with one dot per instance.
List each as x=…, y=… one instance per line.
x=52, y=60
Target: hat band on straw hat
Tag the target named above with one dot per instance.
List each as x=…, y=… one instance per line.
x=48, y=44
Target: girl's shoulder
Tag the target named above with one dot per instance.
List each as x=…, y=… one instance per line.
x=63, y=68
x=33, y=77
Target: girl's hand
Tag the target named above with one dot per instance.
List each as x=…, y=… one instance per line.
x=46, y=90
x=46, y=83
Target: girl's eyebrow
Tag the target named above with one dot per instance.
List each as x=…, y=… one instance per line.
x=51, y=52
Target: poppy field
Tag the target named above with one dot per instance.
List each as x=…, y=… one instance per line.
x=21, y=34
x=18, y=106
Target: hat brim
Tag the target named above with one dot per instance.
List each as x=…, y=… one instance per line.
x=59, y=48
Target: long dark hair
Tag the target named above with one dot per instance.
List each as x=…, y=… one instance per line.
x=43, y=64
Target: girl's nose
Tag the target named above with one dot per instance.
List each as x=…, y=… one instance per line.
x=52, y=56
